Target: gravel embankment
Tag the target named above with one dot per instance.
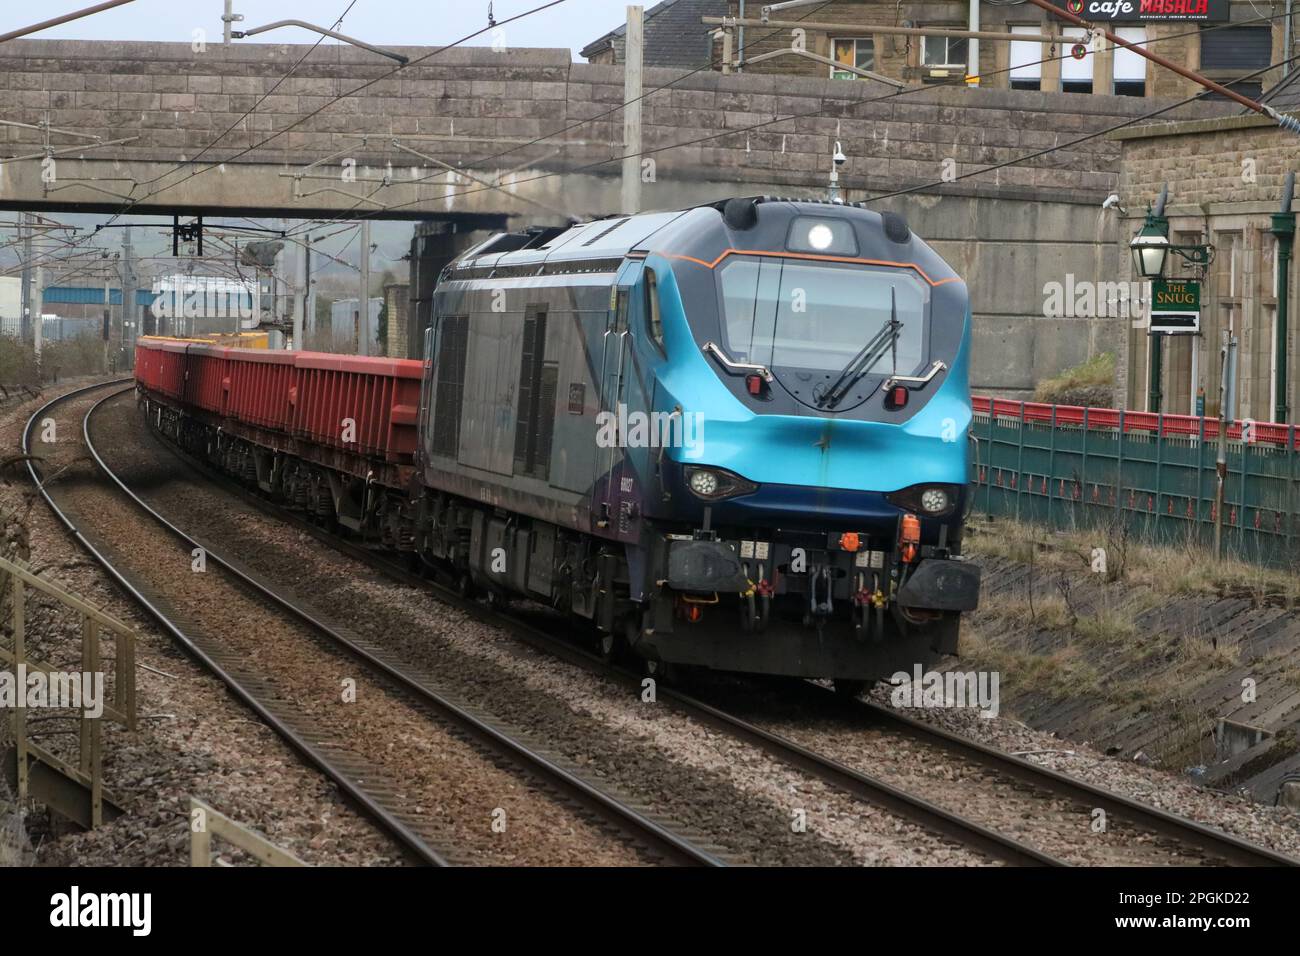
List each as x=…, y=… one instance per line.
x=1275, y=827
x=193, y=739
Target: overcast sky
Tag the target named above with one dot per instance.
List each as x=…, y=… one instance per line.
x=572, y=23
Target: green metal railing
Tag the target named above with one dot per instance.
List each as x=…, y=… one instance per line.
x=1076, y=468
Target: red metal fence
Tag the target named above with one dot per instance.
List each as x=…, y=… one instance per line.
x=1187, y=426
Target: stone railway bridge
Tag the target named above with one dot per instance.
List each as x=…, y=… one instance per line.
x=449, y=139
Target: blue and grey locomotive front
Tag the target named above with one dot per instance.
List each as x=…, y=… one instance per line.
x=737, y=437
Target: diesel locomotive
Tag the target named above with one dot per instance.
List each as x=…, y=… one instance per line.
x=732, y=436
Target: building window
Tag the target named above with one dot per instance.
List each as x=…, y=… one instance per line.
x=1076, y=74
x=1130, y=68
x=943, y=51
x=1026, y=60
x=852, y=51
x=1231, y=52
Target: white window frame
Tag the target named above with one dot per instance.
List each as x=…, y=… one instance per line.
x=947, y=43
x=1032, y=49
x=837, y=72
x=1069, y=65
x=1125, y=60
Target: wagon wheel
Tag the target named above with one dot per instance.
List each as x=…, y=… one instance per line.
x=663, y=672
x=608, y=645
x=849, y=688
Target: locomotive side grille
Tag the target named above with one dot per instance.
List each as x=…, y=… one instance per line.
x=528, y=421
x=452, y=351
x=546, y=418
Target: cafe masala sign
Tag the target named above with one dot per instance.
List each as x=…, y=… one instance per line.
x=1207, y=11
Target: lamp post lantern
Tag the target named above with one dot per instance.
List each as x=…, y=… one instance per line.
x=1150, y=250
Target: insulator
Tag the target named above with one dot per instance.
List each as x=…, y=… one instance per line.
x=1286, y=122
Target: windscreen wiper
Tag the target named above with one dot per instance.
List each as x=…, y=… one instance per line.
x=884, y=340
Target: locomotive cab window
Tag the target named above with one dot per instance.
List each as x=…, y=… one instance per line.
x=807, y=321
x=654, y=323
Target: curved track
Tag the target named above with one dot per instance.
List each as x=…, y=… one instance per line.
x=353, y=777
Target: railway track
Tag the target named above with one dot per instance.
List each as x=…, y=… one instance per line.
x=1214, y=842
x=380, y=798
x=929, y=814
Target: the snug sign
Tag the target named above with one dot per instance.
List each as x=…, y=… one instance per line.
x=1175, y=306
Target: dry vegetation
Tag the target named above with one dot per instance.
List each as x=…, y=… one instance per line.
x=83, y=355
x=1168, y=570
x=1068, y=630
x=1089, y=383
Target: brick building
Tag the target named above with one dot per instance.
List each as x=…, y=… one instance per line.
x=1225, y=178
x=1234, y=39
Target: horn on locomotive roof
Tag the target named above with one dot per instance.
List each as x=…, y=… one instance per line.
x=740, y=214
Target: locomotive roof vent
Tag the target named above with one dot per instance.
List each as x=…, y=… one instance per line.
x=895, y=227
x=740, y=214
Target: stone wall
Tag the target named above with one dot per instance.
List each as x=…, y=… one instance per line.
x=480, y=108
x=1225, y=180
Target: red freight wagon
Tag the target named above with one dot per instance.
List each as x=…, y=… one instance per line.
x=164, y=368
x=379, y=396
x=314, y=396
x=207, y=377
x=259, y=387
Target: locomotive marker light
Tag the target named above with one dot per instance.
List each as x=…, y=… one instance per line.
x=820, y=237
x=714, y=484
x=704, y=483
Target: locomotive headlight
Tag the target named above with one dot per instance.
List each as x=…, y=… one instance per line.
x=934, y=500
x=704, y=483
x=820, y=237
x=714, y=484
